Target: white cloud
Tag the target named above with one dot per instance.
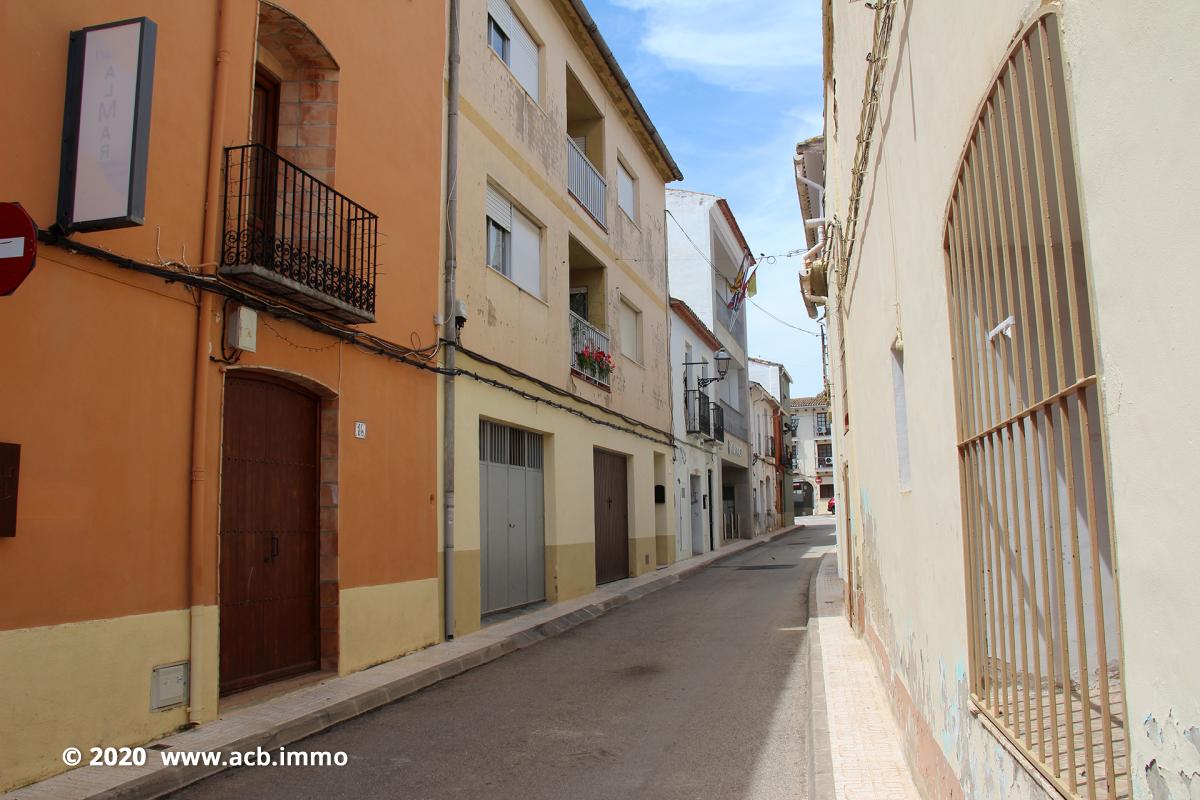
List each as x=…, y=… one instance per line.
x=749, y=46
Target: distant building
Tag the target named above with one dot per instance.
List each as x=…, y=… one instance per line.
x=776, y=381
x=706, y=252
x=767, y=473
x=812, y=454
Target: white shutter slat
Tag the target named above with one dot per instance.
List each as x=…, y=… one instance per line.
x=526, y=254
x=499, y=209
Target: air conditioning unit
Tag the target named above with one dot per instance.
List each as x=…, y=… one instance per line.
x=827, y=461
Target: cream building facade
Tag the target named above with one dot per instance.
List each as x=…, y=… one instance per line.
x=810, y=419
x=562, y=269
x=764, y=475
x=1009, y=282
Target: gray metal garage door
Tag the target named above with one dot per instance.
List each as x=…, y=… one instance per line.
x=511, y=517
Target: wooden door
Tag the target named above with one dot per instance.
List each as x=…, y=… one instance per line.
x=269, y=533
x=263, y=201
x=612, y=517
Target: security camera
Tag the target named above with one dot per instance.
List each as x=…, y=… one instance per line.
x=460, y=314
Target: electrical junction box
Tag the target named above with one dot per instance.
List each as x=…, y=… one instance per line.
x=169, y=686
x=241, y=329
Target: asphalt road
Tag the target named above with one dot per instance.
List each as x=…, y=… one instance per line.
x=699, y=690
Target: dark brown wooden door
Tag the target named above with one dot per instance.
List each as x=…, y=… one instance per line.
x=612, y=517
x=269, y=533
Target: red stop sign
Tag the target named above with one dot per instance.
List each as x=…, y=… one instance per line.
x=18, y=246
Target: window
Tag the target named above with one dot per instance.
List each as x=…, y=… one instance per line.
x=821, y=424
x=825, y=456
x=826, y=491
x=1043, y=634
x=514, y=243
x=626, y=191
x=512, y=42
x=900, y=400
x=499, y=248
x=498, y=40
x=631, y=331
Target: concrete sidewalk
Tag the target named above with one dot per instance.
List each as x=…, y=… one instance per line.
x=295, y=715
x=855, y=752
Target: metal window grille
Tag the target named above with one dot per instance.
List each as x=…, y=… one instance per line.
x=1042, y=617
x=500, y=444
x=697, y=411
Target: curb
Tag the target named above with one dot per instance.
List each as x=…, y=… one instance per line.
x=160, y=781
x=820, y=754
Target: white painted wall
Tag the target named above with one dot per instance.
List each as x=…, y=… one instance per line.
x=1134, y=73
x=694, y=455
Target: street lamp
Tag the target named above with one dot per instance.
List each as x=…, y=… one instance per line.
x=722, y=359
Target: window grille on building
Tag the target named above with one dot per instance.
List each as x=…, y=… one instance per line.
x=1042, y=618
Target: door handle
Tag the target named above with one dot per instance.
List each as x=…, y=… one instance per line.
x=274, y=549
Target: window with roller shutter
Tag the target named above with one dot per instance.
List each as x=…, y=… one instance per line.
x=512, y=42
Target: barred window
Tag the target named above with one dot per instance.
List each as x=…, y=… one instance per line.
x=1042, y=617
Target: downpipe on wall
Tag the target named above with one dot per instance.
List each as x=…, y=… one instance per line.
x=197, y=578
x=450, y=324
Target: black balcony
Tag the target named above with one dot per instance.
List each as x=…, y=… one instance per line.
x=291, y=235
x=698, y=412
x=718, y=422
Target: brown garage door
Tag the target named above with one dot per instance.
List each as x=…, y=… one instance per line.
x=269, y=533
x=612, y=520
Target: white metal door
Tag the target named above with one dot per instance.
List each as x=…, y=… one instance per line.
x=511, y=517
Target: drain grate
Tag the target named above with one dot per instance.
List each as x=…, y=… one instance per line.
x=767, y=566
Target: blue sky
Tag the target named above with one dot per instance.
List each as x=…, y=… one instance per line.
x=732, y=86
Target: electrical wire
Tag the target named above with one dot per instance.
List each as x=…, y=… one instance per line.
x=783, y=321
x=419, y=357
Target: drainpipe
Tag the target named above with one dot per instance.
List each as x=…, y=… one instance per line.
x=450, y=329
x=198, y=578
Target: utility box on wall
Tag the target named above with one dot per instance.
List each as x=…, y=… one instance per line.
x=241, y=329
x=10, y=470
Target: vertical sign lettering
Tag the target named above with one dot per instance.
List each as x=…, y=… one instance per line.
x=107, y=126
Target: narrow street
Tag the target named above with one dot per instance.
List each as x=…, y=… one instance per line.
x=696, y=691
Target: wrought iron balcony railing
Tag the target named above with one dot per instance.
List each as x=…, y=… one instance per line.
x=718, y=422
x=590, y=354
x=291, y=235
x=770, y=447
x=698, y=412
x=586, y=184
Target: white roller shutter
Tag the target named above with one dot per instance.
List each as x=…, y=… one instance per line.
x=526, y=254
x=502, y=13
x=523, y=50
x=524, y=58
x=625, y=190
x=499, y=209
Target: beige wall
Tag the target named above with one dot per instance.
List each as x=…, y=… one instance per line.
x=519, y=144
x=1130, y=68
x=569, y=495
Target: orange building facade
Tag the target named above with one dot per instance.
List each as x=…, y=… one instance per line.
x=196, y=518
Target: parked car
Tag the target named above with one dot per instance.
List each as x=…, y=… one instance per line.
x=831, y=504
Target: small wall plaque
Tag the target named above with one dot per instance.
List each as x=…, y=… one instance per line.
x=10, y=469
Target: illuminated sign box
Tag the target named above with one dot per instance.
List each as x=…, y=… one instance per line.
x=106, y=126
